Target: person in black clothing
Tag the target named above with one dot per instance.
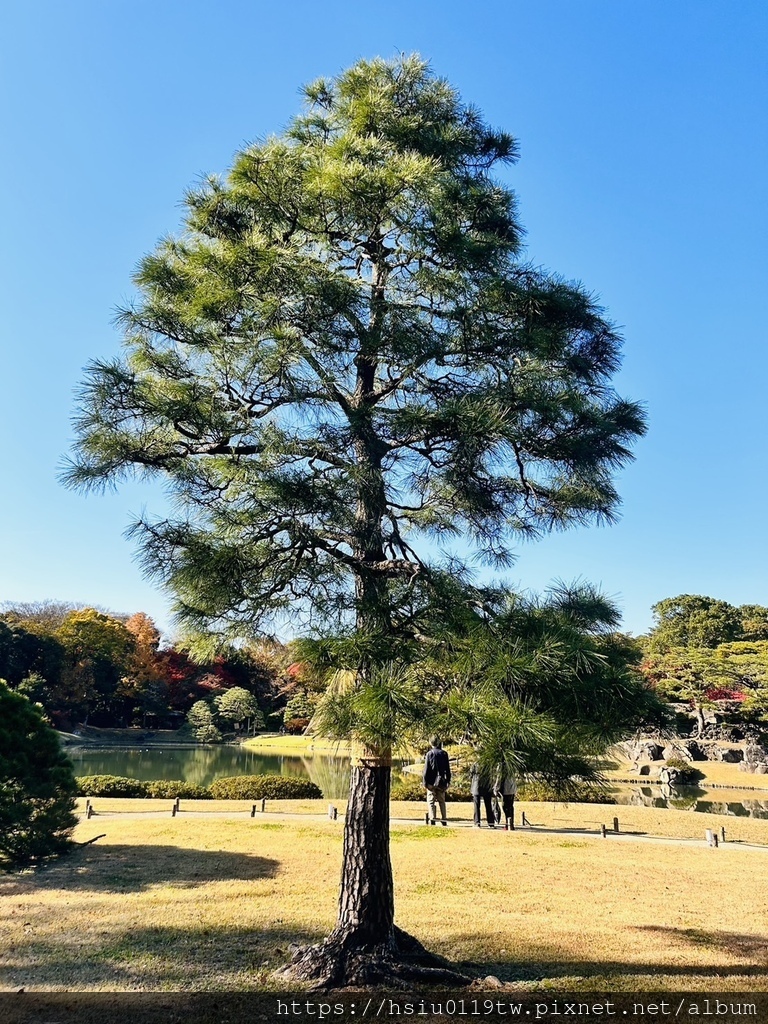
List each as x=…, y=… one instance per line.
x=481, y=789
x=436, y=777
x=505, y=788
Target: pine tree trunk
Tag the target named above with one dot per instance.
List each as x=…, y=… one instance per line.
x=366, y=947
x=366, y=900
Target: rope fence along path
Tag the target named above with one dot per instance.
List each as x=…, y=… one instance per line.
x=265, y=810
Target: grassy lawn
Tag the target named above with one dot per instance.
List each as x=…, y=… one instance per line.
x=213, y=902
x=298, y=746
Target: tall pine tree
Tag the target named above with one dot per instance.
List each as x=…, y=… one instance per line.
x=340, y=367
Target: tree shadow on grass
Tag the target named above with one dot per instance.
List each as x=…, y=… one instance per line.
x=127, y=868
x=214, y=958
x=546, y=961
x=223, y=958
x=734, y=943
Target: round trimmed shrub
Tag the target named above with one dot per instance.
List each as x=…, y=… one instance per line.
x=110, y=785
x=296, y=726
x=169, y=789
x=539, y=791
x=406, y=787
x=255, y=787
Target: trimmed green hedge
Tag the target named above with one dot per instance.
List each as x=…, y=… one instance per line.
x=110, y=785
x=171, y=788
x=240, y=787
x=274, y=787
x=573, y=793
x=410, y=787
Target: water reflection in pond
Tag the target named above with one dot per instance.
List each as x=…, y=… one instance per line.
x=692, y=798
x=202, y=765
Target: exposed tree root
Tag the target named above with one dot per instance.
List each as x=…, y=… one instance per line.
x=341, y=962
x=89, y=841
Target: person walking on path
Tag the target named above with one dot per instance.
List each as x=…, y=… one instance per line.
x=481, y=789
x=436, y=778
x=505, y=788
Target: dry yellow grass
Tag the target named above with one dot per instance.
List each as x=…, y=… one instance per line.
x=205, y=902
x=298, y=745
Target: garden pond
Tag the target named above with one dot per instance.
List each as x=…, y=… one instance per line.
x=202, y=765
x=735, y=802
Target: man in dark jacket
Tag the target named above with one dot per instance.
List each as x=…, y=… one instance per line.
x=481, y=789
x=436, y=778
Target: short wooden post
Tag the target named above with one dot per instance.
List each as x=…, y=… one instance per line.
x=263, y=803
x=722, y=833
x=332, y=812
x=426, y=817
x=87, y=804
x=525, y=820
x=178, y=808
x=603, y=832
x=615, y=824
x=253, y=811
x=89, y=810
x=173, y=810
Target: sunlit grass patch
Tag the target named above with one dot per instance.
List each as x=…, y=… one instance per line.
x=422, y=832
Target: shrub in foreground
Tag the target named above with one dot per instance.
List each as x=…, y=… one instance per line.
x=255, y=787
x=37, y=785
x=540, y=791
x=239, y=787
x=410, y=787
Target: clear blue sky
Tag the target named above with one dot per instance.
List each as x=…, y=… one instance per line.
x=643, y=131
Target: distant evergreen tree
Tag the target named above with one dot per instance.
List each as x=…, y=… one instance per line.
x=201, y=719
x=238, y=705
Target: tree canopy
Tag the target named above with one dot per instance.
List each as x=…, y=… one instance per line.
x=691, y=620
x=702, y=649
x=344, y=352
